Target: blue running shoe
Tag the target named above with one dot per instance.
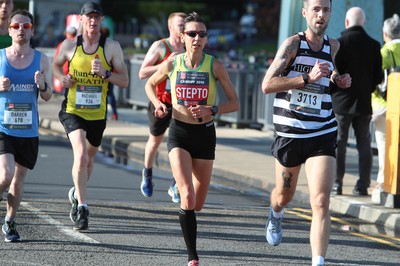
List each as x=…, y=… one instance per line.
x=147, y=185
x=273, y=229
x=10, y=231
x=174, y=193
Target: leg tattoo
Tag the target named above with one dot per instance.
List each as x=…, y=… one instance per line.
x=287, y=178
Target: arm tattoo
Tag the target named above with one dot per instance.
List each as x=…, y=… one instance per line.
x=286, y=55
x=282, y=67
x=287, y=178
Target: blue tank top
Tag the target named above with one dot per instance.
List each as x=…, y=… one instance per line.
x=18, y=106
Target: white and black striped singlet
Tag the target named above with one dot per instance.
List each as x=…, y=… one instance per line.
x=306, y=112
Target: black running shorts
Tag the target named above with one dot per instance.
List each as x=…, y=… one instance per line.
x=198, y=140
x=94, y=129
x=157, y=125
x=25, y=150
x=291, y=152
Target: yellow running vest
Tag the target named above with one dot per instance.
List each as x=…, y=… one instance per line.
x=193, y=86
x=88, y=97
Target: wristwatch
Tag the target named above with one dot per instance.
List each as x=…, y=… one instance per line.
x=214, y=110
x=107, y=75
x=305, y=78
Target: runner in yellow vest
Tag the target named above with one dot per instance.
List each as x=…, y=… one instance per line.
x=91, y=59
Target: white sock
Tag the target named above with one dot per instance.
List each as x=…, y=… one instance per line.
x=8, y=219
x=83, y=205
x=278, y=214
x=318, y=260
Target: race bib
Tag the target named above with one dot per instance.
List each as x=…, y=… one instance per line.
x=88, y=97
x=192, y=88
x=307, y=99
x=18, y=116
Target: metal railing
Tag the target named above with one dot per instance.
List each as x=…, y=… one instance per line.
x=255, y=107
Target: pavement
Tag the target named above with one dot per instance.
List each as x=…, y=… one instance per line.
x=243, y=159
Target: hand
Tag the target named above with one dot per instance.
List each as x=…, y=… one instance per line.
x=97, y=68
x=68, y=81
x=197, y=111
x=320, y=69
x=39, y=80
x=343, y=81
x=4, y=83
x=160, y=110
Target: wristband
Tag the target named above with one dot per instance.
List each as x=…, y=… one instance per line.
x=45, y=88
x=305, y=78
x=107, y=75
x=334, y=77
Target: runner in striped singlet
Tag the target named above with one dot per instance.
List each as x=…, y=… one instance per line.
x=305, y=124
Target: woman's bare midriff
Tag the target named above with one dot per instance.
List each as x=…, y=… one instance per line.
x=183, y=114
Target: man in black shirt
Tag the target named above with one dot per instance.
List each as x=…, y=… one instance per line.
x=359, y=55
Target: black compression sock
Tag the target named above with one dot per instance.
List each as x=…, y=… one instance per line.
x=187, y=219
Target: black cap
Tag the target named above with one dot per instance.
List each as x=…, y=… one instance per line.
x=91, y=7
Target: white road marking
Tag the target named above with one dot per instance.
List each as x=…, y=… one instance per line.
x=64, y=229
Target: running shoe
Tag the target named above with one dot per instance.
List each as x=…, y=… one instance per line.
x=10, y=231
x=82, y=219
x=273, y=229
x=193, y=263
x=74, y=202
x=147, y=185
x=174, y=193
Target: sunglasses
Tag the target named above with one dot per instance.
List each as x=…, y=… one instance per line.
x=17, y=26
x=193, y=33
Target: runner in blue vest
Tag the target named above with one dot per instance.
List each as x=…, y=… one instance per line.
x=24, y=75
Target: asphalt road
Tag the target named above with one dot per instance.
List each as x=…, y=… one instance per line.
x=129, y=229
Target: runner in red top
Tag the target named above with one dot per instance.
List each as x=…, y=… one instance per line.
x=160, y=51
